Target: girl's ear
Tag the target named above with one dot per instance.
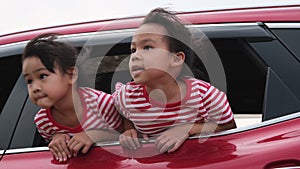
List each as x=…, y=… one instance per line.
x=73, y=74
x=178, y=59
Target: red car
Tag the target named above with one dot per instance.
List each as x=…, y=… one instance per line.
x=252, y=54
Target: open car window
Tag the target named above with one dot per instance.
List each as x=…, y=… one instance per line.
x=242, y=74
x=245, y=74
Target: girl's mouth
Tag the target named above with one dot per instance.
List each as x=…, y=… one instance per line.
x=39, y=97
x=136, y=70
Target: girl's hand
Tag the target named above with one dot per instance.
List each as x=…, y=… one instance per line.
x=58, y=146
x=80, y=141
x=129, y=139
x=171, y=139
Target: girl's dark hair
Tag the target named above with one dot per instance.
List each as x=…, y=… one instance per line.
x=178, y=37
x=51, y=52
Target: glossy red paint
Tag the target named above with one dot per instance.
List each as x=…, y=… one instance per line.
x=278, y=14
x=270, y=14
x=256, y=148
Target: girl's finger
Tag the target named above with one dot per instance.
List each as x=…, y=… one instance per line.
x=76, y=148
x=54, y=153
x=64, y=148
x=166, y=146
x=160, y=141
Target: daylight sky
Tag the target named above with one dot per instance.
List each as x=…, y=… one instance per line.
x=18, y=15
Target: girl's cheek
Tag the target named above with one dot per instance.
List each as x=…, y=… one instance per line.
x=30, y=96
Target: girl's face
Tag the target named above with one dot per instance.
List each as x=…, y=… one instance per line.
x=46, y=89
x=150, y=57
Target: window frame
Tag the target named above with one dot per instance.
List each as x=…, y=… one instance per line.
x=80, y=39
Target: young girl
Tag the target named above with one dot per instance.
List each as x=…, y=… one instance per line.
x=72, y=118
x=161, y=101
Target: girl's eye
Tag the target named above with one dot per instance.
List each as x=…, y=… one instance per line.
x=28, y=81
x=133, y=50
x=43, y=76
x=147, y=47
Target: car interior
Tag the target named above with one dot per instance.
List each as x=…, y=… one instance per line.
x=11, y=75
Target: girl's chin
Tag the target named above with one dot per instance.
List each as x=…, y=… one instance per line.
x=44, y=106
x=137, y=81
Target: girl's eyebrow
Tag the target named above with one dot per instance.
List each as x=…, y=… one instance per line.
x=35, y=71
x=144, y=41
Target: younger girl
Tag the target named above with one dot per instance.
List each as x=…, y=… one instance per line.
x=72, y=118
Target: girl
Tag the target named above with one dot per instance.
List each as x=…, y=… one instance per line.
x=72, y=118
x=161, y=101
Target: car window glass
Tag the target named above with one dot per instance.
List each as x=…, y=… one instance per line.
x=245, y=75
x=282, y=96
x=10, y=68
x=101, y=70
x=291, y=39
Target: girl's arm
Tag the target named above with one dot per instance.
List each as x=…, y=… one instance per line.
x=85, y=139
x=210, y=127
x=129, y=138
x=173, y=138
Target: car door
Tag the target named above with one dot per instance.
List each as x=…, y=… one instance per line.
x=244, y=75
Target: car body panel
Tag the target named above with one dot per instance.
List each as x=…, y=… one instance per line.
x=248, y=149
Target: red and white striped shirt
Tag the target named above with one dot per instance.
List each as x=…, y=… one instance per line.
x=99, y=113
x=203, y=102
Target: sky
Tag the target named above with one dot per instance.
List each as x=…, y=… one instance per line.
x=18, y=15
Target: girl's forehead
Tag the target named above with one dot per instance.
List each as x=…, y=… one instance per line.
x=32, y=59
x=151, y=28
x=31, y=65
x=149, y=33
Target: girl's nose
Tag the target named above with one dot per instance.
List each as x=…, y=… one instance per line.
x=36, y=87
x=36, y=90
x=135, y=56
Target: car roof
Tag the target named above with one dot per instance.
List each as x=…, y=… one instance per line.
x=289, y=13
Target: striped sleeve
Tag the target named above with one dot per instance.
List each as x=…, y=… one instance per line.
x=43, y=124
x=217, y=106
x=109, y=111
x=119, y=99
x=99, y=110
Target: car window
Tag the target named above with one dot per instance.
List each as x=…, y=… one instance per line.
x=282, y=94
x=289, y=35
x=245, y=75
x=10, y=68
x=245, y=72
x=104, y=58
x=102, y=70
